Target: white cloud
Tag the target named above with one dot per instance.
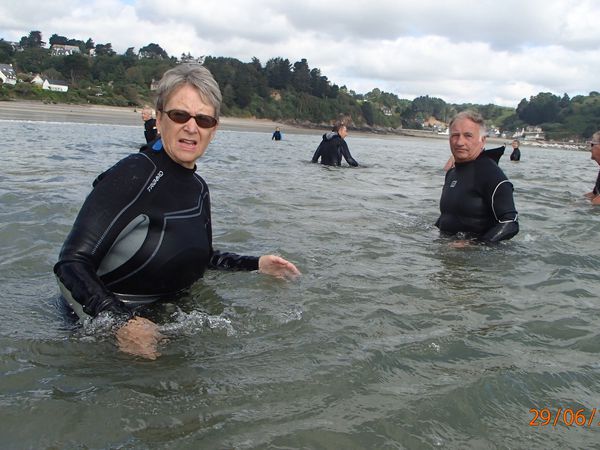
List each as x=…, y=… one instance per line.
x=459, y=50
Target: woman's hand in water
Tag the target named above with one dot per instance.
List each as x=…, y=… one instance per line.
x=277, y=267
x=139, y=337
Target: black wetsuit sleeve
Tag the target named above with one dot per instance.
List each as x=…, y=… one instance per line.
x=150, y=131
x=92, y=235
x=346, y=154
x=596, y=190
x=317, y=154
x=505, y=213
x=227, y=260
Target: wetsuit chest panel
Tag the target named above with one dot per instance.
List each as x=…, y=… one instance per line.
x=465, y=205
x=175, y=248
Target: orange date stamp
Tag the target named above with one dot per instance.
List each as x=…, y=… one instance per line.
x=567, y=416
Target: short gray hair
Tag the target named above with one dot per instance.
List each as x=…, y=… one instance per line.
x=196, y=76
x=473, y=116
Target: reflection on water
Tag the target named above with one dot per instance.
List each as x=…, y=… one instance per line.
x=391, y=339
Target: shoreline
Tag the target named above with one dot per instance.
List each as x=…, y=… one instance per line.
x=32, y=110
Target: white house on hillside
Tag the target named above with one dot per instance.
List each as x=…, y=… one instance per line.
x=62, y=50
x=7, y=74
x=38, y=80
x=55, y=85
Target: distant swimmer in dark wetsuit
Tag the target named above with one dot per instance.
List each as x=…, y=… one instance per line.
x=333, y=147
x=594, y=195
x=144, y=232
x=276, y=135
x=516, y=153
x=477, y=198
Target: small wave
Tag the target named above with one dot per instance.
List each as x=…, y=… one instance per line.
x=195, y=322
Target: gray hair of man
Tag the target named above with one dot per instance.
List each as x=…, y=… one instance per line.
x=194, y=75
x=473, y=116
x=596, y=136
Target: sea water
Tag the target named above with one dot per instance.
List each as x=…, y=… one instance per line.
x=391, y=338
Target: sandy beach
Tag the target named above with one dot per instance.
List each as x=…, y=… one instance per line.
x=112, y=115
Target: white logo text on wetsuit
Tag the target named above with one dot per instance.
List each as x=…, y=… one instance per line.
x=155, y=181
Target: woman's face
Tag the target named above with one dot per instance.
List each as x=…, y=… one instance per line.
x=185, y=142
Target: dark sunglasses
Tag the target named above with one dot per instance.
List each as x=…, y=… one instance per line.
x=179, y=116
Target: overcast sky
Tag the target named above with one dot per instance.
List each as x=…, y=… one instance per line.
x=477, y=51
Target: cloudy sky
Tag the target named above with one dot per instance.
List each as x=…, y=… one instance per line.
x=482, y=51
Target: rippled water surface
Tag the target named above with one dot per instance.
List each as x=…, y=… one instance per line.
x=390, y=340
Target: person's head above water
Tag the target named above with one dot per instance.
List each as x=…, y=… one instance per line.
x=188, y=104
x=467, y=135
x=194, y=75
x=595, y=146
x=146, y=113
x=340, y=128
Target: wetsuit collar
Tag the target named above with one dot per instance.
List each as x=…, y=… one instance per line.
x=157, y=147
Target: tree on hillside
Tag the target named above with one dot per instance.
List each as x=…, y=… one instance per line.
x=89, y=44
x=105, y=50
x=34, y=40
x=301, y=76
x=320, y=86
x=279, y=73
x=55, y=39
x=540, y=108
x=107, y=69
x=426, y=106
x=75, y=67
x=153, y=51
x=367, y=112
x=34, y=60
x=6, y=52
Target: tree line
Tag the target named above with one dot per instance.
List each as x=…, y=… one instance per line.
x=278, y=90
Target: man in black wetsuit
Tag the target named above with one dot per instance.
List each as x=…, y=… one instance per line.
x=516, y=153
x=594, y=195
x=150, y=130
x=477, y=198
x=333, y=147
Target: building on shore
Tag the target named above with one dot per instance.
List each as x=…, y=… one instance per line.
x=8, y=74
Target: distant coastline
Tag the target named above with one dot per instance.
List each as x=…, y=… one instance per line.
x=33, y=110
x=113, y=115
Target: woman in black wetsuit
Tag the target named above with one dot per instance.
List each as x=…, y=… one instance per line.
x=477, y=198
x=144, y=232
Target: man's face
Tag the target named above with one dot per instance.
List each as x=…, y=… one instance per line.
x=596, y=153
x=466, y=142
